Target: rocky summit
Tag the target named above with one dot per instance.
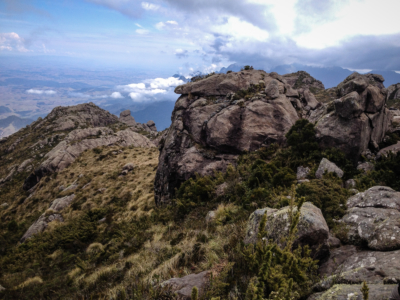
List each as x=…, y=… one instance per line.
x=218, y=118
x=263, y=187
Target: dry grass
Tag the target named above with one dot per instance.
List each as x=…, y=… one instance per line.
x=30, y=281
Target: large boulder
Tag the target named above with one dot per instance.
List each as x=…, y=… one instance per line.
x=373, y=218
x=79, y=140
x=312, y=228
x=52, y=214
x=390, y=149
x=348, y=264
x=211, y=125
x=359, y=119
x=183, y=286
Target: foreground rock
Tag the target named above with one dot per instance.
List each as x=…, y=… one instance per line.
x=394, y=149
x=352, y=266
x=183, y=286
x=353, y=292
x=312, y=229
x=80, y=140
x=373, y=218
x=52, y=214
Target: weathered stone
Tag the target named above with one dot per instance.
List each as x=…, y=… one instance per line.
x=302, y=172
x=210, y=217
x=351, y=136
x=353, y=292
x=126, y=118
x=349, y=265
x=312, y=228
x=4, y=205
x=302, y=79
x=128, y=167
x=390, y=149
x=290, y=92
x=349, y=106
x=373, y=98
x=76, y=142
x=222, y=84
x=349, y=184
x=355, y=82
x=333, y=242
x=220, y=190
x=310, y=99
x=272, y=89
x=183, y=286
x=372, y=218
x=328, y=167
x=41, y=224
x=151, y=125
x=24, y=165
x=366, y=167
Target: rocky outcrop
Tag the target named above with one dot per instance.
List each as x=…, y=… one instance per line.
x=183, y=286
x=302, y=79
x=359, y=119
x=373, y=218
x=125, y=117
x=393, y=92
x=82, y=115
x=312, y=228
x=78, y=141
x=328, y=167
x=52, y=214
x=390, y=149
x=217, y=118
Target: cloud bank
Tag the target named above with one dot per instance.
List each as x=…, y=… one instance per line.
x=152, y=89
x=41, y=92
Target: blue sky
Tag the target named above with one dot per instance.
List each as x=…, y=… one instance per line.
x=205, y=35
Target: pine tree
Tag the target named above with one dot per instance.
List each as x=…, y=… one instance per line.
x=195, y=293
x=365, y=291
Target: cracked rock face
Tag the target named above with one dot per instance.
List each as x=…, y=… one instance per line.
x=312, y=229
x=359, y=119
x=373, y=217
x=347, y=292
x=78, y=141
x=211, y=126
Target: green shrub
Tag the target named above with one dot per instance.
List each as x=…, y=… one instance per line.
x=327, y=194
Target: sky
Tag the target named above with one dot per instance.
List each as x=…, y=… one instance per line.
x=204, y=35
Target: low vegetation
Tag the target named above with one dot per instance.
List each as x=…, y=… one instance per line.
x=114, y=242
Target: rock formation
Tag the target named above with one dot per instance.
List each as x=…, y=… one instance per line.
x=358, y=120
x=217, y=118
x=78, y=141
x=125, y=117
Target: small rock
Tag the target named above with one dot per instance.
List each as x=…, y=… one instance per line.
x=366, y=167
x=4, y=205
x=302, y=181
x=302, y=172
x=80, y=175
x=128, y=167
x=114, y=153
x=102, y=190
x=124, y=172
x=183, y=286
x=210, y=217
x=349, y=184
x=329, y=167
x=220, y=190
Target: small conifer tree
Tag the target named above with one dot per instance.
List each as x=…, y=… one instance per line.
x=365, y=290
x=195, y=293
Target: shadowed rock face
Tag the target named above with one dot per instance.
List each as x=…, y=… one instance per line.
x=220, y=117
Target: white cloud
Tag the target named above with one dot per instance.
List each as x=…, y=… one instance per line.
x=116, y=95
x=152, y=89
x=138, y=25
x=150, y=6
x=11, y=41
x=142, y=31
x=40, y=92
x=166, y=25
x=172, y=23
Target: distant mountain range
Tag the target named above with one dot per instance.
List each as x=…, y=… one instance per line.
x=12, y=124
